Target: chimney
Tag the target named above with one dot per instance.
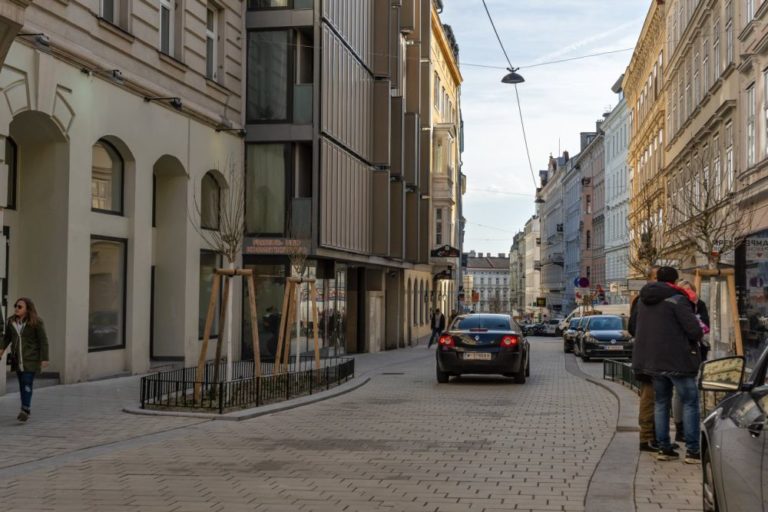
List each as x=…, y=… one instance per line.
x=471, y=254
x=566, y=156
x=502, y=255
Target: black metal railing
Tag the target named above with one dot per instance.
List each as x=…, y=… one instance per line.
x=182, y=389
x=621, y=371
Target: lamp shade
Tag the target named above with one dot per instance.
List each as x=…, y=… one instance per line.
x=512, y=78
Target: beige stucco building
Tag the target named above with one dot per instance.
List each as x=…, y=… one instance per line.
x=109, y=134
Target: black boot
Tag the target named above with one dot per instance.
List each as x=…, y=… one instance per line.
x=679, y=432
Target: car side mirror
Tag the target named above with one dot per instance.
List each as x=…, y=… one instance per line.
x=725, y=374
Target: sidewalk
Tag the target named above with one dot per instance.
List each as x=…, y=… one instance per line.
x=658, y=486
x=74, y=417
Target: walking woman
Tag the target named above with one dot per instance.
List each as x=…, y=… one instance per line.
x=25, y=333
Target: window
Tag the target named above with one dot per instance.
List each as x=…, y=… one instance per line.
x=729, y=33
x=265, y=189
x=749, y=10
x=716, y=169
x=106, y=178
x=210, y=202
x=589, y=239
x=439, y=226
x=106, y=299
x=166, y=26
x=765, y=110
x=705, y=66
x=268, y=75
x=11, y=160
x=211, y=43
x=209, y=262
x=751, y=125
x=115, y=12
x=436, y=91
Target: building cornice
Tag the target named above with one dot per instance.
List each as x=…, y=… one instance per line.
x=445, y=47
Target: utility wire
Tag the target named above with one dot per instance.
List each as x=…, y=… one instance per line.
x=517, y=94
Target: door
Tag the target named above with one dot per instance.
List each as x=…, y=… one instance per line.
x=742, y=450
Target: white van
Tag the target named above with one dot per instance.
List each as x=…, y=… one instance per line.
x=603, y=309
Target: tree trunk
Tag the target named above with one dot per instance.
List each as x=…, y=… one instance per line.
x=229, y=326
x=714, y=315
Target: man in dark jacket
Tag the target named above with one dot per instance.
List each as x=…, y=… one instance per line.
x=437, y=323
x=667, y=335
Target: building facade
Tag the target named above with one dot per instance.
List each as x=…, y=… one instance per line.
x=591, y=162
x=517, y=255
x=489, y=275
x=598, y=284
x=643, y=87
x=532, y=268
x=100, y=217
x=552, y=212
x=572, y=231
x=616, y=133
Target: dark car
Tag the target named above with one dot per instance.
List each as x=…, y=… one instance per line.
x=536, y=329
x=569, y=335
x=734, y=449
x=483, y=343
x=578, y=332
x=605, y=336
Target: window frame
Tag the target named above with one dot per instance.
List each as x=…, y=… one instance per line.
x=288, y=148
x=121, y=211
x=751, y=131
x=210, y=175
x=124, y=242
x=212, y=34
x=13, y=176
x=290, y=76
x=279, y=8
x=169, y=6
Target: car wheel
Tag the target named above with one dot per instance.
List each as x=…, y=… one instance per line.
x=584, y=357
x=442, y=377
x=519, y=377
x=708, y=492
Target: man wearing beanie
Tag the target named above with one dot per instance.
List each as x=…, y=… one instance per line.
x=667, y=335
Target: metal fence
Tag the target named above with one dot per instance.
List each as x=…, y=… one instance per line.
x=182, y=389
x=621, y=371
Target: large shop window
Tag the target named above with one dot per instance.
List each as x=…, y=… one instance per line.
x=106, y=179
x=209, y=262
x=210, y=202
x=106, y=312
x=268, y=76
x=11, y=159
x=265, y=188
x=268, y=4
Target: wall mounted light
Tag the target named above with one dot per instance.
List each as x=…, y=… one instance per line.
x=239, y=131
x=38, y=37
x=173, y=100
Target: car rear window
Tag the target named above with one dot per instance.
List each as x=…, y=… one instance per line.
x=491, y=323
x=575, y=323
x=609, y=323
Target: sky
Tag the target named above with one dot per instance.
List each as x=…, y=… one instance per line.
x=558, y=101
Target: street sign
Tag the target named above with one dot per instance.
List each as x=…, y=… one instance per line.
x=541, y=302
x=445, y=251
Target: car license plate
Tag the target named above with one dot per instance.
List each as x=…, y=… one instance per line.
x=614, y=347
x=477, y=356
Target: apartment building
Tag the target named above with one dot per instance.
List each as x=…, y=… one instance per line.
x=489, y=275
x=448, y=183
x=616, y=130
x=572, y=231
x=551, y=211
x=532, y=267
x=517, y=256
x=592, y=162
x=643, y=87
x=98, y=211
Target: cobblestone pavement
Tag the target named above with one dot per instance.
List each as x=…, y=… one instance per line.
x=661, y=486
x=400, y=443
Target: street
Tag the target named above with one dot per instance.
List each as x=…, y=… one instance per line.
x=402, y=442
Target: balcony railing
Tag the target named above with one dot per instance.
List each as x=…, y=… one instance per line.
x=302, y=103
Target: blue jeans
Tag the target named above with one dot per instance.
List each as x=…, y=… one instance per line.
x=26, y=379
x=689, y=395
x=435, y=336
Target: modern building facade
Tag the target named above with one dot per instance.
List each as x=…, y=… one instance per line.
x=490, y=281
x=616, y=130
x=99, y=215
x=339, y=157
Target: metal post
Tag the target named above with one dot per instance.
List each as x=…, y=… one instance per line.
x=221, y=398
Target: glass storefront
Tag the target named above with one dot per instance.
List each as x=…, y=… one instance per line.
x=270, y=288
x=752, y=292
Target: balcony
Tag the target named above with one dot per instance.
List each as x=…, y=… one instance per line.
x=302, y=103
x=555, y=258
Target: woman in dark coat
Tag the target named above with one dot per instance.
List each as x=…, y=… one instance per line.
x=25, y=333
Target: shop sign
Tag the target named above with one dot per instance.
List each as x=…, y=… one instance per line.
x=270, y=246
x=445, y=251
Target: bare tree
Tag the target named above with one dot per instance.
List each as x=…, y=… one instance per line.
x=228, y=208
x=704, y=219
x=649, y=244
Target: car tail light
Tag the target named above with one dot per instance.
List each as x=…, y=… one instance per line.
x=509, y=341
x=446, y=341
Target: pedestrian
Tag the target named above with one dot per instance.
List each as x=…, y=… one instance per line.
x=437, y=322
x=700, y=309
x=667, y=348
x=25, y=333
x=647, y=400
x=452, y=317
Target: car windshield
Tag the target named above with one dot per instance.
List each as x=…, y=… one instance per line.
x=575, y=323
x=606, y=323
x=487, y=322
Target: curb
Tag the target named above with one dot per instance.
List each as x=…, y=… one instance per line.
x=255, y=412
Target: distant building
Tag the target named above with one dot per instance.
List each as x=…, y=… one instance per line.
x=490, y=281
x=550, y=198
x=572, y=185
x=532, y=267
x=517, y=275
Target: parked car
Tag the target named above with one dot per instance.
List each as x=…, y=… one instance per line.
x=551, y=327
x=578, y=332
x=734, y=448
x=483, y=343
x=603, y=309
x=569, y=335
x=536, y=329
x=605, y=336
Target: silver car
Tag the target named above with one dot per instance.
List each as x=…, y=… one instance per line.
x=734, y=449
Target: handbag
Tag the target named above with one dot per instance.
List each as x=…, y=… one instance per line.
x=12, y=360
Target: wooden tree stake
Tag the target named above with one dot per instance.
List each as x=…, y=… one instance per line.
x=254, y=325
x=222, y=319
x=313, y=295
x=199, y=374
